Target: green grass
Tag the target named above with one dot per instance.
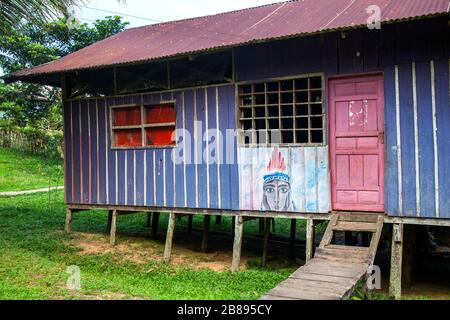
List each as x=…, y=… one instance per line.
x=36, y=253
x=19, y=171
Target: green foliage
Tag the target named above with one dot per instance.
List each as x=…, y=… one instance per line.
x=36, y=253
x=35, y=11
x=23, y=171
x=30, y=44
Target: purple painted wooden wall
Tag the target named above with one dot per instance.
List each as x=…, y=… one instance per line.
x=97, y=174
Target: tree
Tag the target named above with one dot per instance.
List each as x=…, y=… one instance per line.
x=29, y=45
x=34, y=11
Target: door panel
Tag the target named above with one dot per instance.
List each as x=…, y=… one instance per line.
x=357, y=143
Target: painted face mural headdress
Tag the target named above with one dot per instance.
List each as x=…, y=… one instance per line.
x=276, y=168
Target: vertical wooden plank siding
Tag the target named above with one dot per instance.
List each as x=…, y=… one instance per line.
x=406, y=120
x=179, y=168
x=391, y=200
x=68, y=152
x=442, y=68
x=212, y=152
x=224, y=122
x=426, y=152
x=85, y=151
x=200, y=144
x=76, y=153
x=92, y=151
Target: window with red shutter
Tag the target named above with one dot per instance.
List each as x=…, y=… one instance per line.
x=143, y=126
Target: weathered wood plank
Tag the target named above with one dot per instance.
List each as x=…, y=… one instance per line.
x=271, y=297
x=343, y=256
x=328, y=235
x=395, y=279
x=112, y=236
x=108, y=225
x=69, y=218
x=358, y=217
x=325, y=278
x=237, y=245
x=376, y=238
x=169, y=237
x=299, y=294
x=310, y=236
x=355, y=226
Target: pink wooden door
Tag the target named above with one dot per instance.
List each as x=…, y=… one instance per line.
x=356, y=109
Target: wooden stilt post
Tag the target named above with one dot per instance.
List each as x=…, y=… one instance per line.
x=206, y=223
x=233, y=226
x=310, y=236
x=112, y=236
x=237, y=245
x=395, y=280
x=69, y=218
x=169, y=237
x=108, y=225
x=155, y=223
x=266, y=241
x=148, y=222
x=292, y=237
x=408, y=255
x=261, y=225
x=190, y=218
x=218, y=219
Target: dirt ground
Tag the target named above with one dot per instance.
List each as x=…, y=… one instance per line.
x=430, y=282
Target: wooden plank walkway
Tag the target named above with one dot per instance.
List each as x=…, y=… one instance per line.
x=335, y=270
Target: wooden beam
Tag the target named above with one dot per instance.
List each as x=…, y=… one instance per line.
x=408, y=255
x=169, y=237
x=310, y=235
x=69, y=218
x=206, y=224
x=112, y=236
x=223, y=212
x=237, y=245
x=108, y=224
x=261, y=225
x=233, y=224
x=266, y=242
x=155, y=224
x=395, y=279
x=148, y=221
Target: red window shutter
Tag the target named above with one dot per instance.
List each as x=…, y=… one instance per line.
x=128, y=137
x=159, y=136
x=160, y=114
x=127, y=116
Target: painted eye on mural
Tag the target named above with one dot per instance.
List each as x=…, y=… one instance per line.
x=269, y=189
x=284, y=189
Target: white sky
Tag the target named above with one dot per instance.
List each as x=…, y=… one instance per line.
x=161, y=10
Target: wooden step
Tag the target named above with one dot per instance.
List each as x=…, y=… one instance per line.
x=345, y=256
x=358, y=217
x=355, y=226
x=349, y=248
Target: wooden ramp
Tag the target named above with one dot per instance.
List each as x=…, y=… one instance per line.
x=334, y=271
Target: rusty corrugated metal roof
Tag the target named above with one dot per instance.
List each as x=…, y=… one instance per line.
x=274, y=21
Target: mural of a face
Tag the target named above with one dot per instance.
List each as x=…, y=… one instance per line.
x=277, y=186
x=277, y=195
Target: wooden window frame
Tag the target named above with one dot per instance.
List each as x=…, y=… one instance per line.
x=142, y=125
x=253, y=132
